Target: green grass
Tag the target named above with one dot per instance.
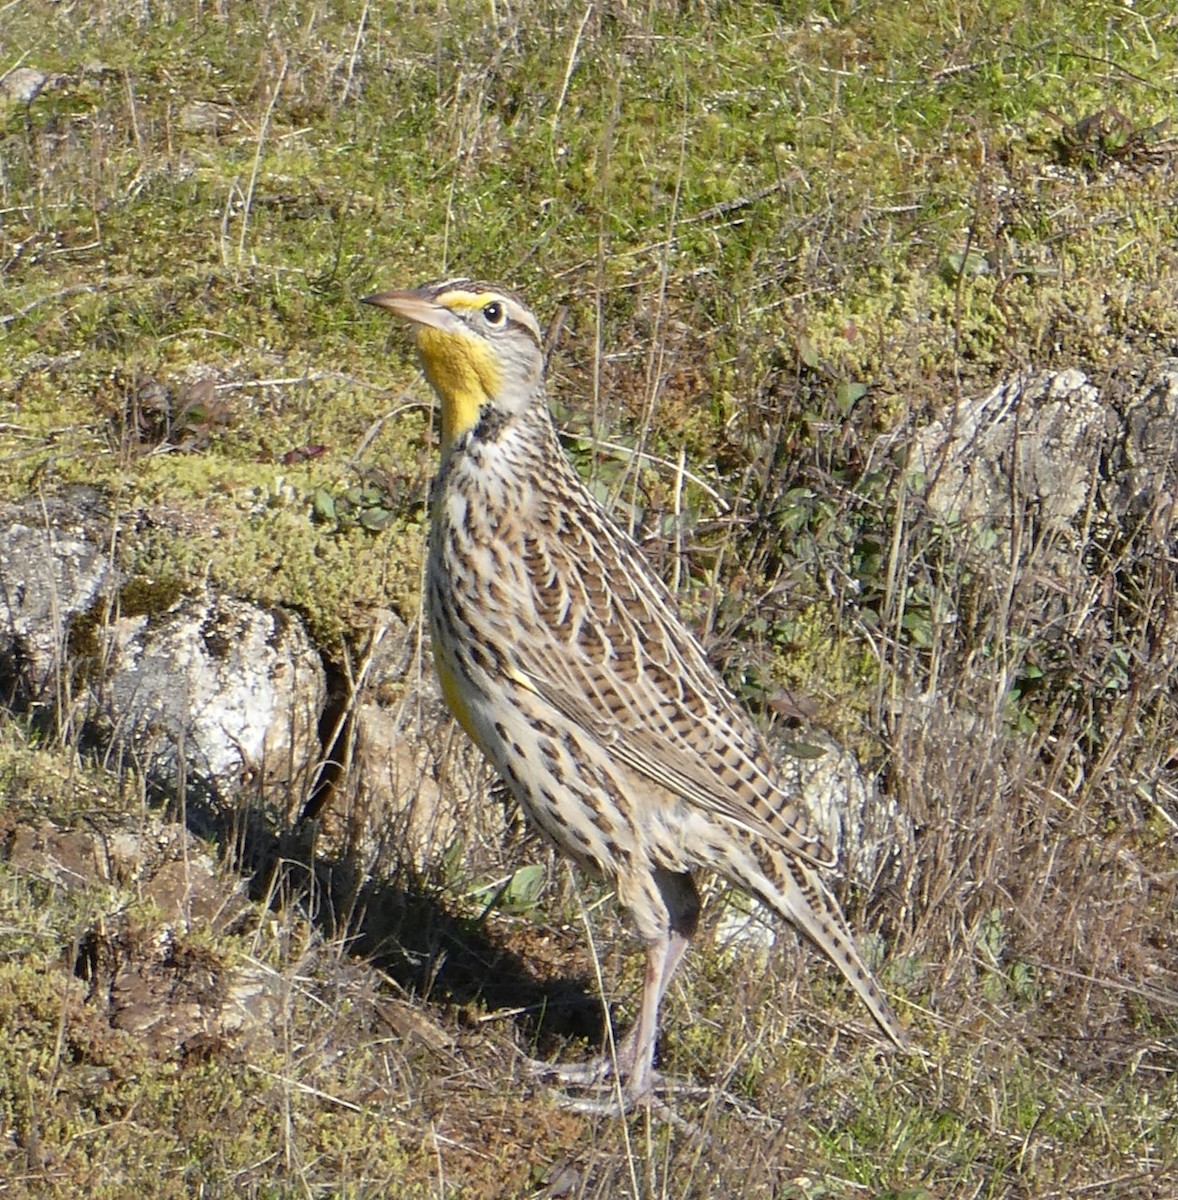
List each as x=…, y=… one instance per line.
x=779, y=239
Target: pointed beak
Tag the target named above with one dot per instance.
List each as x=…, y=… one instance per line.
x=414, y=306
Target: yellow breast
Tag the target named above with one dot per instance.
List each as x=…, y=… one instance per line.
x=453, y=692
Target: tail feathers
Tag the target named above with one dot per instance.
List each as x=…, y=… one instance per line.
x=795, y=891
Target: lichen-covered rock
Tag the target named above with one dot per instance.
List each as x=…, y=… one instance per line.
x=1038, y=438
x=55, y=566
x=860, y=826
x=1145, y=463
x=226, y=691
x=1055, y=444
x=144, y=969
x=22, y=85
x=1067, y=491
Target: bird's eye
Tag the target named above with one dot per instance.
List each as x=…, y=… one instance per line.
x=493, y=313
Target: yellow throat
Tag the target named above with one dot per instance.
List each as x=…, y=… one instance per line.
x=463, y=372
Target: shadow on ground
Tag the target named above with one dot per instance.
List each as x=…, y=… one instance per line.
x=403, y=926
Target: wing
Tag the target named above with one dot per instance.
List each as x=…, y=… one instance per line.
x=613, y=657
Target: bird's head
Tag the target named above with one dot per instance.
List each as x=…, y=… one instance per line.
x=479, y=345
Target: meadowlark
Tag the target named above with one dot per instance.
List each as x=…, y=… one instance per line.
x=561, y=654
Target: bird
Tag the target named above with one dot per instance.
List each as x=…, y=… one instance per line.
x=561, y=653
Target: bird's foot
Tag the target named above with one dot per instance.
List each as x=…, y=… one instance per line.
x=604, y=1086
x=624, y=1102
x=594, y=1072
x=617, y=1062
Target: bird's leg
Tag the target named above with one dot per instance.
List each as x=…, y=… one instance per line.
x=633, y=1054
x=662, y=957
x=679, y=894
x=662, y=960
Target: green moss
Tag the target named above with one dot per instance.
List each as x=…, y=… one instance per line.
x=142, y=596
x=278, y=556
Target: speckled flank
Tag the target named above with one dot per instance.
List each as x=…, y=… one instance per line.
x=561, y=654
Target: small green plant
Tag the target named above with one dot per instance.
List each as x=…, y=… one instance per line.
x=364, y=505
